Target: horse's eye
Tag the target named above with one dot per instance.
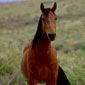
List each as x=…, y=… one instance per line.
x=55, y=18
x=43, y=19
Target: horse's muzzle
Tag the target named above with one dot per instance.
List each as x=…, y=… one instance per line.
x=52, y=36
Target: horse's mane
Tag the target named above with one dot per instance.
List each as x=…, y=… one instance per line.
x=39, y=33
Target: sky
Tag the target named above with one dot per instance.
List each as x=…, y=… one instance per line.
x=7, y=0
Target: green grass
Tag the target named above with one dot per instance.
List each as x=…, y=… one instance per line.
x=18, y=24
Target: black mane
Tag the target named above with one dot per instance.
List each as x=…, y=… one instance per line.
x=39, y=33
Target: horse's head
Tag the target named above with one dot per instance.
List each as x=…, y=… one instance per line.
x=49, y=18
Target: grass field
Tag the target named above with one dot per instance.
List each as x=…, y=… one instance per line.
x=18, y=23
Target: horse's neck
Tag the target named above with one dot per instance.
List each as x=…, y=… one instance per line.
x=43, y=47
x=41, y=41
x=43, y=52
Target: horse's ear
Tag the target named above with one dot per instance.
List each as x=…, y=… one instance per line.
x=54, y=7
x=42, y=7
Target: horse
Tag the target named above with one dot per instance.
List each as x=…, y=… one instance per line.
x=39, y=62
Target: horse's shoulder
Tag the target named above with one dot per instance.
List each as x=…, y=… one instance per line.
x=53, y=48
x=27, y=47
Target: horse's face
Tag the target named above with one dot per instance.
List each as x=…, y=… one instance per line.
x=49, y=18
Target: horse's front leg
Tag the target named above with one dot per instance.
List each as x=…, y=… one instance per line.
x=53, y=79
x=32, y=81
x=51, y=82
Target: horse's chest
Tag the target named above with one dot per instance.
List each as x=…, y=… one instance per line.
x=43, y=56
x=41, y=72
x=44, y=73
x=42, y=65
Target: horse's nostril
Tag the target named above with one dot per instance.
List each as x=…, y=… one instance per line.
x=52, y=36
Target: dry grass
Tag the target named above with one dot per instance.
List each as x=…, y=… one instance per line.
x=18, y=23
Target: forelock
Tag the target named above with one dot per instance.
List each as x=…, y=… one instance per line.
x=47, y=11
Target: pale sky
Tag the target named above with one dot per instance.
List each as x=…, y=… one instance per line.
x=7, y=0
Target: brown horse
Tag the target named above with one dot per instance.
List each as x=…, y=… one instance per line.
x=39, y=62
